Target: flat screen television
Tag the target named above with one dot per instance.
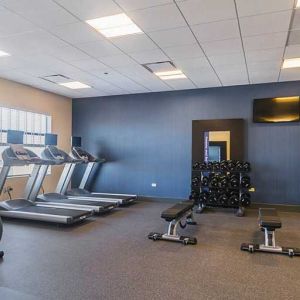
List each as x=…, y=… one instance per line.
x=276, y=110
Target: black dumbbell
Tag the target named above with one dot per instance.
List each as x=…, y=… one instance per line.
x=245, y=199
x=230, y=165
x=203, y=197
x=214, y=180
x=203, y=166
x=212, y=198
x=209, y=166
x=205, y=181
x=239, y=166
x=196, y=166
x=216, y=165
x=195, y=181
x=223, y=165
x=234, y=181
x=246, y=166
x=223, y=199
x=234, y=198
x=245, y=181
x=223, y=181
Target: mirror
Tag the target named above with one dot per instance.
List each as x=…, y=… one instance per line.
x=216, y=145
x=219, y=139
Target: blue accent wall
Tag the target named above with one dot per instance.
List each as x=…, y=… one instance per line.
x=147, y=138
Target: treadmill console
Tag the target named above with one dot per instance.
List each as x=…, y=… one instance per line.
x=20, y=152
x=80, y=153
x=55, y=153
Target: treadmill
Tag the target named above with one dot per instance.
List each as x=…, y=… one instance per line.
x=78, y=153
x=17, y=155
x=52, y=153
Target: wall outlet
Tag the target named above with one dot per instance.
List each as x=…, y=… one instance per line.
x=153, y=184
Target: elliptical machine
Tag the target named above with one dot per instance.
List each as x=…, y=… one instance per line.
x=1, y=231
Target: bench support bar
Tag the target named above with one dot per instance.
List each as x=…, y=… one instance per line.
x=172, y=234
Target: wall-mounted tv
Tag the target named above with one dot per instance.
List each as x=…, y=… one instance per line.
x=276, y=110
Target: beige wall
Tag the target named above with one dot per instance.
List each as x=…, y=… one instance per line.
x=20, y=96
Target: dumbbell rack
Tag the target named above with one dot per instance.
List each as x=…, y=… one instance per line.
x=240, y=209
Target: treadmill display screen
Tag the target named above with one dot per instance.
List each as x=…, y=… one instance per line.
x=15, y=137
x=76, y=141
x=50, y=139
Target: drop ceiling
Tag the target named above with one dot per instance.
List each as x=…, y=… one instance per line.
x=213, y=42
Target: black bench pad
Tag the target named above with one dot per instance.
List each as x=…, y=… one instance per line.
x=268, y=218
x=177, y=211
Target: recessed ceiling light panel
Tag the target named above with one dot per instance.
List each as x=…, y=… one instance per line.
x=116, y=25
x=177, y=76
x=298, y=4
x=2, y=53
x=75, y=85
x=291, y=63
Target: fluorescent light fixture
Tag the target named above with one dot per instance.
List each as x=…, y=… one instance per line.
x=75, y=85
x=291, y=63
x=298, y=4
x=177, y=76
x=116, y=25
x=2, y=53
x=168, y=73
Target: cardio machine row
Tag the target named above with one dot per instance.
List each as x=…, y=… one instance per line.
x=62, y=206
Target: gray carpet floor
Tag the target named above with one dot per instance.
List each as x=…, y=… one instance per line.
x=110, y=257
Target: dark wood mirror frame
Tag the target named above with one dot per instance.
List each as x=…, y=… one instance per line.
x=237, y=137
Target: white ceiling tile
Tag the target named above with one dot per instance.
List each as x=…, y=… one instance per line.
x=292, y=51
x=117, y=60
x=265, y=41
x=28, y=43
x=68, y=53
x=30, y=5
x=264, y=55
x=296, y=20
x=192, y=64
x=90, y=9
x=184, y=52
x=48, y=19
x=236, y=58
x=181, y=84
x=263, y=76
x=235, y=75
x=204, y=11
x=140, y=4
x=89, y=64
x=290, y=74
x=11, y=23
x=150, y=56
x=76, y=33
x=215, y=31
x=222, y=47
x=267, y=23
x=205, y=78
x=173, y=37
x=99, y=48
x=10, y=63
x=264, y=66
x=134, y=43
x=157, y=18
x=294, y=37
x=255, y=7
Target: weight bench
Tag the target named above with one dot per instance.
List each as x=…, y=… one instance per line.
x=269, y=221
x=175, y=215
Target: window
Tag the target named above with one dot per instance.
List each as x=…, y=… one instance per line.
x=34, y=125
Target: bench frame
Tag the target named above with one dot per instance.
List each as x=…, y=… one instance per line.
x=172, y=234
x=269, y=245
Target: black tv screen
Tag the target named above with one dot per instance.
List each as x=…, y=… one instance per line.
x=76, y=141
x=275, y=110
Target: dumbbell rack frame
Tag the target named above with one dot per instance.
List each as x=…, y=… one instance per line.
x=240, y=209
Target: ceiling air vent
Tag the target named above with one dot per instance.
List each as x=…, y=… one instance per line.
x=56, y=78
